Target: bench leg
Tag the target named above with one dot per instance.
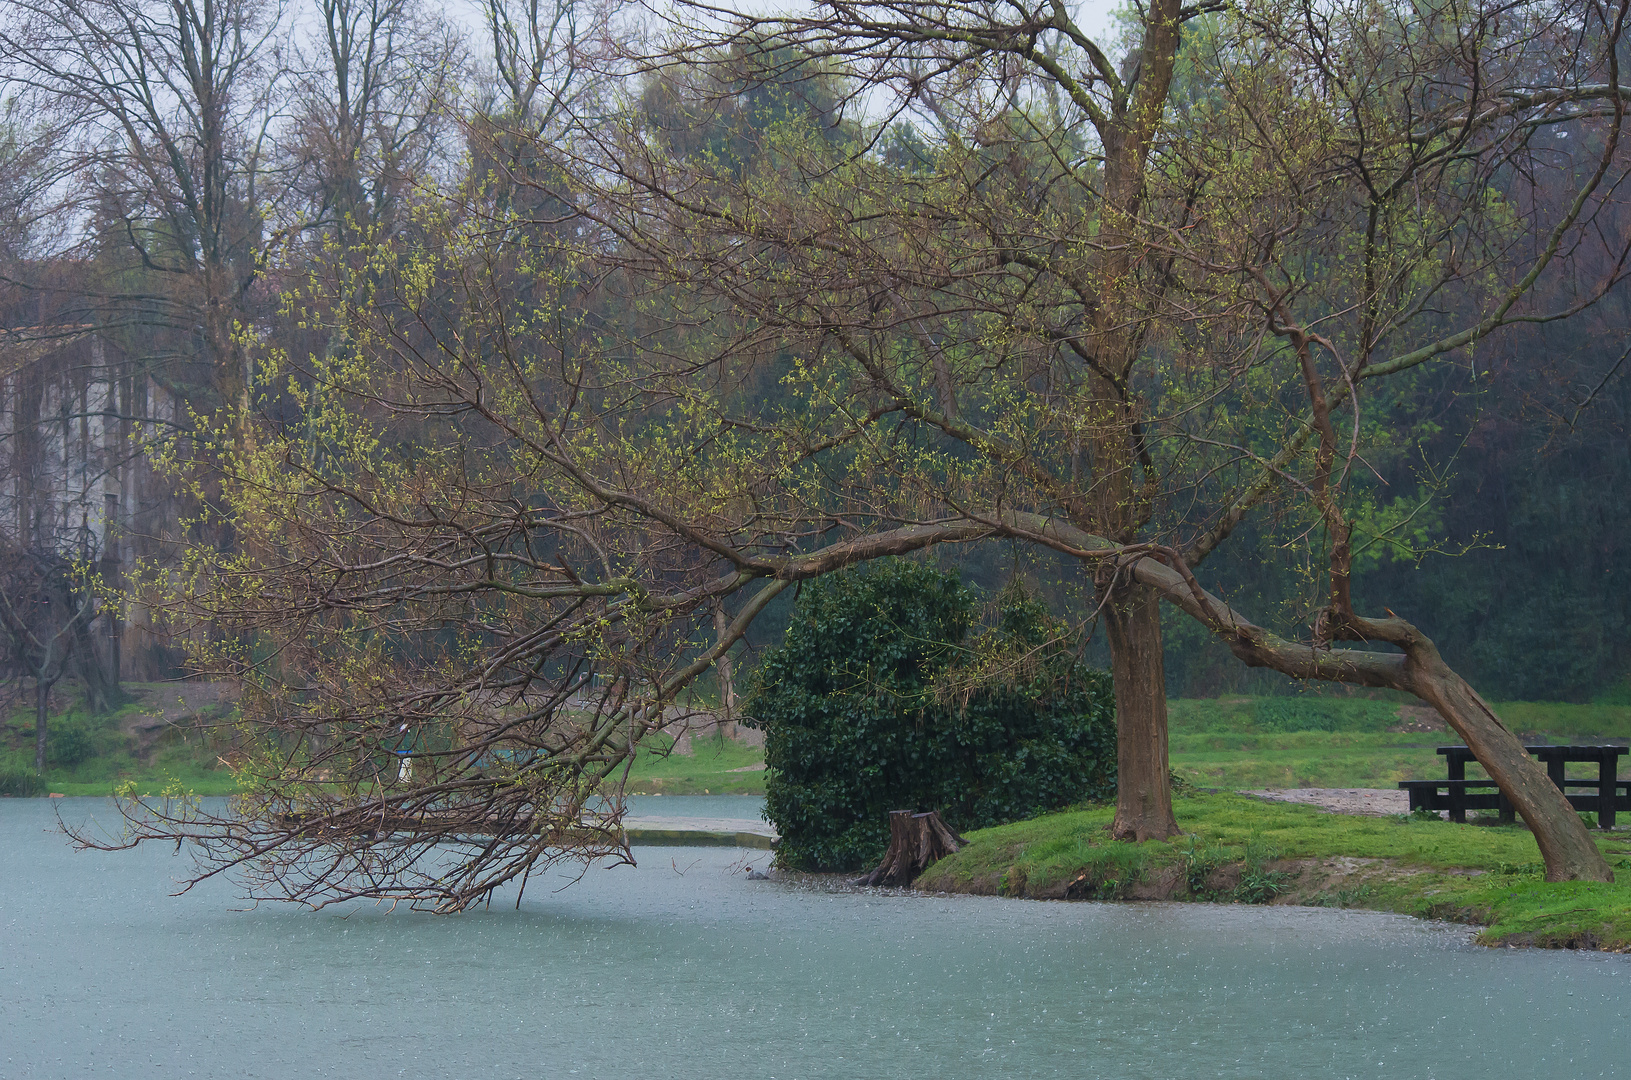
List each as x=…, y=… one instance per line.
x=1557, y=769
x=1458, y=808
x=1605, y=791
x=1456, y=769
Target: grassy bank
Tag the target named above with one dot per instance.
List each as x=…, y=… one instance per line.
x=166, y=734
x=156, y=743
x=1242, y=850
x=707, y=766
x=1238, y=743
x=1316, y=741
x=1234, y=743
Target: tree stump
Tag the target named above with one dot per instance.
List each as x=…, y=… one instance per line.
x=915, y=841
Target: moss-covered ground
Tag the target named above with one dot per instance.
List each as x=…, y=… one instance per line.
x=1238, y=849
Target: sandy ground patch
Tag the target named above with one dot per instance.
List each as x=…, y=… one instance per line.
x=1376, y=802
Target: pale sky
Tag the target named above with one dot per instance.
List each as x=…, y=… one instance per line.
x=1092, y=15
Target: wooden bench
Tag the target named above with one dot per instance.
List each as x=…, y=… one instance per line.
x=1457, y=794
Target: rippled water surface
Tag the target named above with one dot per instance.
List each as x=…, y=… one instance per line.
x=682, y=968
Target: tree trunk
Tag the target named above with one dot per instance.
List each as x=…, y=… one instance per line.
x=727, y=684
x=42, y=698
x=1132, y=620
x=1566, y=846
x=916, y=841
x=102, y=691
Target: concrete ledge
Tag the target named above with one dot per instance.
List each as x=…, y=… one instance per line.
x=696, y=838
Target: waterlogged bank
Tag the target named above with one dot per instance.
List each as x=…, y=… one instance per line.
x=1241, y=850
x=681, y=968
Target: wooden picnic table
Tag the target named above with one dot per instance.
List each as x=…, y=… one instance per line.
x=1457, y=794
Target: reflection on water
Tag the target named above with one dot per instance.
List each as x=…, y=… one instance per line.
x=681, y=968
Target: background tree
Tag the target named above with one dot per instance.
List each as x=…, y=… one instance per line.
x=372, y=113
x=47, y=605
x=164, y=110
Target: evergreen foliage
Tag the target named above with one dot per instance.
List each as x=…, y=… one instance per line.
x=72, y=742
x=16, y=778
x=883, y=697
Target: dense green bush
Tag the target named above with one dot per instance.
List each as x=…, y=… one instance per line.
x=881, y=699
x=71, y=741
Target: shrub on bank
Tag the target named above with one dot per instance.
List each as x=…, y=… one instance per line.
x=884, y=697
x=19, y=779
x=71, y=741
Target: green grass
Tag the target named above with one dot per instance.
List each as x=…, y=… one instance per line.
x=1479, y=874
x=706, y=770
x=1306, y=740
x=151, y=778
x=1306, y=759
x=1553, y=722
x=90, y=754
x=1315, y=741
x=184, y=756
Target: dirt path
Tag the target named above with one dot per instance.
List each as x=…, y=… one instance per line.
x=1376, y=802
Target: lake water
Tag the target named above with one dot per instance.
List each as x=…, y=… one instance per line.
x=682, y=968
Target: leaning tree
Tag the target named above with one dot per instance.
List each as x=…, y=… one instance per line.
x=1118, y=309
x=1113, y=310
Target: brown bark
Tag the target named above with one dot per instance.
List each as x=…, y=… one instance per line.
x=916, y=841
x=1132, y=621
x=1565, y=845
x=1123, y=485
x=727, y=682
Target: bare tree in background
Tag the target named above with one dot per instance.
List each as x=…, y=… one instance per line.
x=370, y=111
x=48, y=602
x=26, y=182
x=164, y=109
x=546, y=56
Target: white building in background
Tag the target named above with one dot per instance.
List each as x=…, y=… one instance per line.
x=78, y=420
